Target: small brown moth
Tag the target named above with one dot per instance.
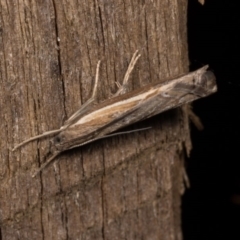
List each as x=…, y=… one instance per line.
x=96, y=121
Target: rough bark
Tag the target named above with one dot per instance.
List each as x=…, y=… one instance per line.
x=126, y=187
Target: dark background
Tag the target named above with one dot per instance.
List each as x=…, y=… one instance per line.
x=211, y=207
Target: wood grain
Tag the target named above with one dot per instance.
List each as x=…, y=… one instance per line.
x=126, y=187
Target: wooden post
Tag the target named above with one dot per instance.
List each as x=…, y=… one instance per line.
x=125, y=187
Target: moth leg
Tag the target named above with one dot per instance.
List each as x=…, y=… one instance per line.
x=96, y=80
x=123, y=88
x=118, y=84
x=45, y=164
x=87, y=104
x=194, y=118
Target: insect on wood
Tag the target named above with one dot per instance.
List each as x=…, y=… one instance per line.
x=96, y=121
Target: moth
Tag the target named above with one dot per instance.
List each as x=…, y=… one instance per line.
x=96, y=121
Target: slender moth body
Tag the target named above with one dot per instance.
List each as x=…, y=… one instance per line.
x=92, y=122
x=134, y=106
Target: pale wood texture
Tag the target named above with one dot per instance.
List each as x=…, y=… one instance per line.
x=126, y=187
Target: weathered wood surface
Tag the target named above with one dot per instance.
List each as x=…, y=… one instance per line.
x=126, y=187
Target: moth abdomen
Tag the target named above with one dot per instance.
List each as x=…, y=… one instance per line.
x=206, y=84
x=208, y=80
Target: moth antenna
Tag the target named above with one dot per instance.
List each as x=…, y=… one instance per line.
x=37, y=137
x=111, y=135
x=45, y=164
x=72, y=118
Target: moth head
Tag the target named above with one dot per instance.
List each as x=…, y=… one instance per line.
x=57, y=141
